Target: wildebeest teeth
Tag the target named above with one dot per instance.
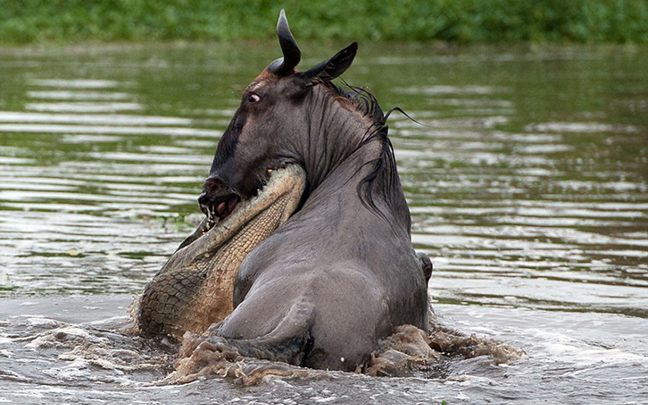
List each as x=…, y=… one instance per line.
x=212, y=219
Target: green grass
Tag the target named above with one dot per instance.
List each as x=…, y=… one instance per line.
x=463, y=21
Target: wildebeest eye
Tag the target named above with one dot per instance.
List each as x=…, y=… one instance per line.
x=253, y=98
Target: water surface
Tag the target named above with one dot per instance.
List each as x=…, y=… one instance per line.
x=527, y=184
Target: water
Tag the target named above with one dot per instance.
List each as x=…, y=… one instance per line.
x=527, y=185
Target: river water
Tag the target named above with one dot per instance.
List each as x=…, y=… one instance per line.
x=527, y=182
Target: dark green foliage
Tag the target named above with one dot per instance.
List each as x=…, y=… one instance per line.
x=621, y=21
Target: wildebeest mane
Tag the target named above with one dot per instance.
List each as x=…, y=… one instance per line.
x=383, y=176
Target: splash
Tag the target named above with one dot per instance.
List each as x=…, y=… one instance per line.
x=199, y=357
x=408, y=352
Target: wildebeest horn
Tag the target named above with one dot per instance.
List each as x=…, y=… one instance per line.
x=291, y=52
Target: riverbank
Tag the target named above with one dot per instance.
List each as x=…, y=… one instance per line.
x=503, y=21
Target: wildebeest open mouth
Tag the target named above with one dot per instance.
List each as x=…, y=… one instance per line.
x=195, y=287
x=221, y=210
x=229, y=212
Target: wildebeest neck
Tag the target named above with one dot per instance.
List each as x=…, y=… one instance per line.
x=352, y=146
x=335, y=130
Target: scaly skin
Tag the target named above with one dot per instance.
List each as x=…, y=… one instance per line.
x=194, y=289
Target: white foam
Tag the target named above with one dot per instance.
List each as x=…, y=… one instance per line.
x=46, y=339
x=36, y=320
x=582, y=353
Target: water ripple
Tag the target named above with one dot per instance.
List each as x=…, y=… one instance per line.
x=519, y=206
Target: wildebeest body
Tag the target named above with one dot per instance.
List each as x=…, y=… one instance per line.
x=352, y=270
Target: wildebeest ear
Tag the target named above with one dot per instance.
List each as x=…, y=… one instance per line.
x=332, y=68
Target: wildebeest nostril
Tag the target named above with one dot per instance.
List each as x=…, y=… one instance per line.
x=215, y=190
x=211, y=187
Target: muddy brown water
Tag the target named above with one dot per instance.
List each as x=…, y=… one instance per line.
x=527, y=186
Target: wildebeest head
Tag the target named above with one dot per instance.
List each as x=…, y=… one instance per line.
x=271, y=128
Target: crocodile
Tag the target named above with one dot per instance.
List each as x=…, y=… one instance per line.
x=194, y=289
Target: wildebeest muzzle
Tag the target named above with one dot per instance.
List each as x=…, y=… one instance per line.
x=218, y=200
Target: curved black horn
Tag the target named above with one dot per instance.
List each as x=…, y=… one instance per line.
x=291, y=52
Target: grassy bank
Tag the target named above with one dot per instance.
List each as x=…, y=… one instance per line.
x=465, y=21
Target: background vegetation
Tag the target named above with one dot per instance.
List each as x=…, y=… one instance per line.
x=465, y=21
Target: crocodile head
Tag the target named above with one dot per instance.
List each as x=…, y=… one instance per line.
x=194, y=289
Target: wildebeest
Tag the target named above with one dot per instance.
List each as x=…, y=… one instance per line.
x=341, y=272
